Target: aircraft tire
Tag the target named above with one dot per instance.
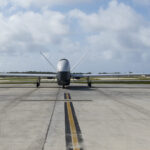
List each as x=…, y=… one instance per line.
x=37, y=84
x=89, y=84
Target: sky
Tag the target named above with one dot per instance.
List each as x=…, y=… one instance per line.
x=110, y=35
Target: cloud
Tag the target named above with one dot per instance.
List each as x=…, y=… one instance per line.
x=116, y=36
x=25, y=34
x=24, y=31
x=116, y=17
x=116, y=32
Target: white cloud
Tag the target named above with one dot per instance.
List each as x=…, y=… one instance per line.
x=115, y=17
x=3, y=3
x=24, y=30
x=29, y=33
x=116, y=36
x=144, y=35
x=117, y=30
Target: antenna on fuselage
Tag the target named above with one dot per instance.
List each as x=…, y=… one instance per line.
x=48, y=61
x=80, y=60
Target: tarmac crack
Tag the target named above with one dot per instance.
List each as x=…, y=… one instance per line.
x=127, y=103
x=50, y=121
x=15, y=101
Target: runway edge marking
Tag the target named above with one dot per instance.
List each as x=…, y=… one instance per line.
x=74, y=140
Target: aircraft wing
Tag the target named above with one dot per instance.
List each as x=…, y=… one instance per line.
x=26, y=75
x=108, y=75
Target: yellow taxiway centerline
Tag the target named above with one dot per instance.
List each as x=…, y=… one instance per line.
x=73, y=128
x=67, y=95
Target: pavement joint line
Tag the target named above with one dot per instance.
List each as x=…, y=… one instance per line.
x=64, y=100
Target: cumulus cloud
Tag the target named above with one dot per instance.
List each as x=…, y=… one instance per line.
x=31, y=30
x=116, y=32
x=25, y=34
x=116, y=17
x=115, y=36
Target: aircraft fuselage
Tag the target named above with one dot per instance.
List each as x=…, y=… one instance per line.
x=63, y=72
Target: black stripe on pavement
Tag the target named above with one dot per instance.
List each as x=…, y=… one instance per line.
x=65, y=97
x=69, y=145
x=69, y=95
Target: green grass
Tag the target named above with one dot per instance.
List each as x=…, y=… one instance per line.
x=18, y=79
x=33, y=80
x=116, y=82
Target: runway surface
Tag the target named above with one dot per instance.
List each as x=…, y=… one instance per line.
x=105, y=117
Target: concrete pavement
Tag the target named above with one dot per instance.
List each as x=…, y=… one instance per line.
x=107, y=116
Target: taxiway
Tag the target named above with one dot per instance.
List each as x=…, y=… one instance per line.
x=105, y=117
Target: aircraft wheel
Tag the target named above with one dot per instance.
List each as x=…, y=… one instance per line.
x=90, y=84
x=37, y=84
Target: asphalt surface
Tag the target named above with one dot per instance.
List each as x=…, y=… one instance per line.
x=105, y=117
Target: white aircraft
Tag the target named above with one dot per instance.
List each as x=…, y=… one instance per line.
x=64, y=74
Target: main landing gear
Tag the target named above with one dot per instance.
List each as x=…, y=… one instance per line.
x=38, y=82
x=89, y=82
